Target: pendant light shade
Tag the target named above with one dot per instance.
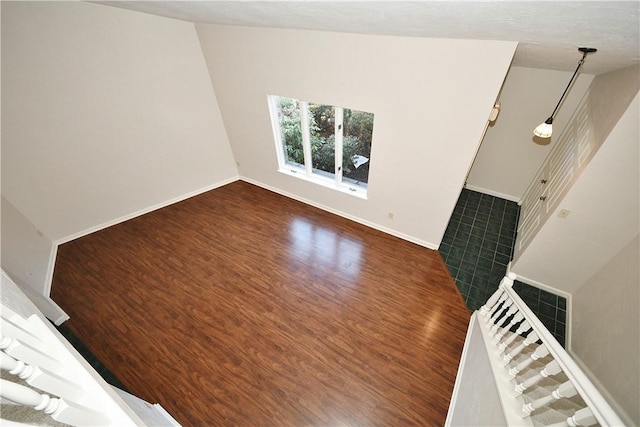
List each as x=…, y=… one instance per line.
x=545, y=130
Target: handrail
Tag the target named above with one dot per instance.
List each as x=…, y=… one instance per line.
x=601, y=409
x=55, y=367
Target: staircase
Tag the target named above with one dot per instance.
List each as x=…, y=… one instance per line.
x=45, y=381
x=514, y=373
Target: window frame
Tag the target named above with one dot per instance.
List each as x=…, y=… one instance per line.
x=306, y=171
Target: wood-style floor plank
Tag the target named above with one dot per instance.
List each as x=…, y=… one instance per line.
x=242, y=307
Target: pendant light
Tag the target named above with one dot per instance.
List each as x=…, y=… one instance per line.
x=544, y=130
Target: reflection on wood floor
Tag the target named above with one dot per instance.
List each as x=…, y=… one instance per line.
x=243, y=307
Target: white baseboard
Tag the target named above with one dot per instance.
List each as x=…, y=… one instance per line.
x=492, y=193
x=542, y=286
x=370, y=224
x=62, y=316
x=144, y=211
x=52, y=259
x=602, y=389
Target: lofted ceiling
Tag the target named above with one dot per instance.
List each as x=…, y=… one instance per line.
x=548, y=32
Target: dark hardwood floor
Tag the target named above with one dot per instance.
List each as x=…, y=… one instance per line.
x=243, y=307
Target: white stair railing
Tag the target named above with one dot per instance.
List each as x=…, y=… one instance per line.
x=552, y=368
x=562, y=362
x=566, y=390
x=59, y=409
x=515, y=341
x=538, y=354
x=41, y=378
x=49, y=375
x=583, y=417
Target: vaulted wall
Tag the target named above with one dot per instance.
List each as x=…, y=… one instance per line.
x=106, y=113
x=606, y=327
x=431, y=108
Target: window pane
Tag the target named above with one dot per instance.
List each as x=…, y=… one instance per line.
x=356, y=146
x=291, y=130
x=322, y=135
x=313, y=139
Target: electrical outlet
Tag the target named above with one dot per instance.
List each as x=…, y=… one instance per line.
x=390, y=215
x=564, y=213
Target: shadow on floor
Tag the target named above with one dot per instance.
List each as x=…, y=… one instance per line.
x=90, y=357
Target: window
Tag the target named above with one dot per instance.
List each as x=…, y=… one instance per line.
x=322, y=143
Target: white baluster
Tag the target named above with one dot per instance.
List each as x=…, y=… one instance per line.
x=500, y=314
x=518, y=317
x=539, y=353
x=26, y=330
x=5, y=342
x=552, y=368
x=493, y=299
x=583, y=417
x=59, y=409
x=530, y=339
x=15, y=367
x=30, y=355
x=524, y=327
x=496, y=309
x=566, y=390
x=25, y=396
x=507, y=280
x=41, y=378
x=510, y=309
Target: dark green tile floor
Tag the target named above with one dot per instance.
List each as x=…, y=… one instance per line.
x=551, y=309
x=477, y=246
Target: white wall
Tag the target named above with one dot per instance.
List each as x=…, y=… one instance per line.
x=26, y=252
x=604, y=204
x=510, y=155
x=610, y=95
x=431, y=100
x=106, y=113
x=606, y=328
x=475, y=400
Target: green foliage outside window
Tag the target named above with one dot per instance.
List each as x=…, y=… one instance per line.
x=357, y=133
x=290, y=129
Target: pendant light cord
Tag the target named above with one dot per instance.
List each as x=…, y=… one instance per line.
x=575, y=73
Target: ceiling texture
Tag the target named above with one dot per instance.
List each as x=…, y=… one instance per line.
x=549, y=32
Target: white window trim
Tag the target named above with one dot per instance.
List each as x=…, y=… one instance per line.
x=297, y=172
x=305, y=172
x=273, y=112
x=306, y=139
x=338, y=137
